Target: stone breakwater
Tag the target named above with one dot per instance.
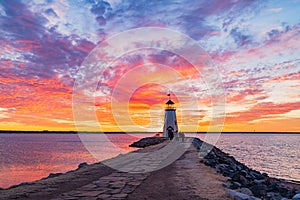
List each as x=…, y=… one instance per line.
x=244, y=182
x=148, y=141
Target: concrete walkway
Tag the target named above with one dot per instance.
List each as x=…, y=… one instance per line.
x=153, y=174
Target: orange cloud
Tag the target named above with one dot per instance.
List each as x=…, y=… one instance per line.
x=45, y=103
x=263, y=110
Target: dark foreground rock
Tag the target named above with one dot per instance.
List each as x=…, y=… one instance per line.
x=244, y=182
x=148, y=141
x=297, y=196
x=82, y=165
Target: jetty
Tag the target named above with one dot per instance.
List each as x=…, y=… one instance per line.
x=166, y=170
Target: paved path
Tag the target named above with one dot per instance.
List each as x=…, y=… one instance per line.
x=132, y=170
x=186, y=178
x=138, y=173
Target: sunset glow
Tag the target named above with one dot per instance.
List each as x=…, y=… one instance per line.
x=255, y=47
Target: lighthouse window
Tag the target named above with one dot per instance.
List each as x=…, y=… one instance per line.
x=175, y=122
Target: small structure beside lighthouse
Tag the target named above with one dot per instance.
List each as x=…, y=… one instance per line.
x=170, y=122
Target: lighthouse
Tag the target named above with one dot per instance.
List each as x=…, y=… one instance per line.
x=170, y=122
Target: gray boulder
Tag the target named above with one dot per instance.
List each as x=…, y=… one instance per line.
x=255, y=198
x=52, y=175
x=261, y=181
x=235, y=185
x=274, y=196
x=254, y=174
x=238, y=196
x=246, y=191
x=148, y=141
x=82, y=165
x=259, y=190
x=296, y=197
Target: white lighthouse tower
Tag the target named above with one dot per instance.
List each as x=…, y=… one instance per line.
x=170, y=124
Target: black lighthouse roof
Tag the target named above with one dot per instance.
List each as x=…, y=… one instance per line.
x=170, y=102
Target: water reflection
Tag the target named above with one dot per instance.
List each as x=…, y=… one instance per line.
x=278, y=154
x=29, y=157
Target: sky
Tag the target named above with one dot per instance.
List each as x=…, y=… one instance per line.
x=254, y=47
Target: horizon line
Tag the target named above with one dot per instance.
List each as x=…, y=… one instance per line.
x=137, y=132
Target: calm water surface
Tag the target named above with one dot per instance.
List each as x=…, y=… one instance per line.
x=276, y=154
x=28, y=157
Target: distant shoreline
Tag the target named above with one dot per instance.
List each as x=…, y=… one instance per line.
x=87, y=132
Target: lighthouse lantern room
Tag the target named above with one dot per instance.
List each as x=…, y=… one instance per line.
x=170, y=122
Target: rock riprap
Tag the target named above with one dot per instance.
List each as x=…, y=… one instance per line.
x=242, y=179
x=148, y=141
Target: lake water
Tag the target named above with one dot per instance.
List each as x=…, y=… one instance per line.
x=276, y=154
x=29, y=157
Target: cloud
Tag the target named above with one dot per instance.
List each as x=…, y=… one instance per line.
x=43, y=44
x=240, y=38
x=43, y=53
x=51, y=12
x=36, y=98
x=190, y=17
x=102, y=11
x=264, y=110
x=275, y=10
